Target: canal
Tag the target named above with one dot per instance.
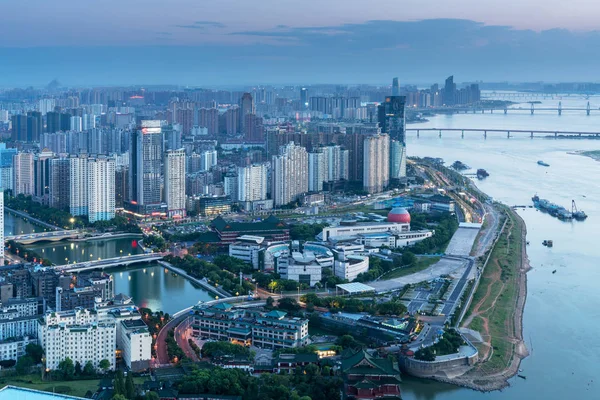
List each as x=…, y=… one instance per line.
x=150, y=285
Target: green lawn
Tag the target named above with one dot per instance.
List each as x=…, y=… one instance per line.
x=422, y=263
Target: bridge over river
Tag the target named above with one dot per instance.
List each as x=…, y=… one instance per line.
x=110, y=262
x=508, y=132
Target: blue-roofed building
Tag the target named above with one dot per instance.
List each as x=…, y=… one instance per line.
x=14, y=393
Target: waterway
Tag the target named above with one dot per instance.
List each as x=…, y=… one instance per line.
x=150, y=285
x=561, y=318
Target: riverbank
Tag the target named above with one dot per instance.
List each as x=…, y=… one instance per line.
x=205, y=285
x=593, y=154
x=32, y=219
x=496, y=311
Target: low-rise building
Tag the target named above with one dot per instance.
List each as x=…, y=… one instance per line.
x=247, y=327
x=14, y=348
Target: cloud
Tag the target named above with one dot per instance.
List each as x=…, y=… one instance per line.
x=416, y=51
x=203, y=25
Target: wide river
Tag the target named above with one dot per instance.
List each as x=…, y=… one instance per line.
x=562, y=317
x=150, y=285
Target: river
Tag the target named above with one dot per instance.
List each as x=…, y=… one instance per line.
x=561, y=318
x=149, y=285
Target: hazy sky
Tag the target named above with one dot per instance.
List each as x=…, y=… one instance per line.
x=200, y=42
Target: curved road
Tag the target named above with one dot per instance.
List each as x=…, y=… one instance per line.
x=161, y=346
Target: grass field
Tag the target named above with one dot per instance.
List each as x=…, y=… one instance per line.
x=77, y=388
x=494, y=303
x=422, y=263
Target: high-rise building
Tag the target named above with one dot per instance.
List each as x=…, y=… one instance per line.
x=209, y=118
x=175, y=182
x=185, y=118
x=172, y=136
x=92, y=187
x=246, y=107
x=304, y=98
x=145, y=169
x=76, y=123
x=88, y=121
x=27, y=128
x=2, y=226
x=60, y=186
x=395, y=87
x=101, y=189
x=23, y=174
x=121, y=185
x=254, y=128
x=290, y=174
x=41, y=168
x=208, y=159
x=317, y=170
x=232, y=121
x=78, y=185
x=6, y=166
x=46, y=105
x=252, y=182
x=449, y=91
x=391, y=118
x=376, y=163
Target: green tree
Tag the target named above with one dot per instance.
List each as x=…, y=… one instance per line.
x=270, y=302
x=104, y=365
x=425, y=354
x=24, y=365
x=78, y=368
x=129, y=387
x=288, y=304
x=119, y=383
x=67, y=368
x=118, y=396
x=408, y=258
x=151, y=396
x=88, y=369
x=347, y=342
x=35, y=351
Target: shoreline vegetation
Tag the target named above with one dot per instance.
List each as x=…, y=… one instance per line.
x=593, y=154
x=496, y=311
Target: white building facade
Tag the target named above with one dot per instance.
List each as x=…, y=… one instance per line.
x=290, y=174
x=175, y=182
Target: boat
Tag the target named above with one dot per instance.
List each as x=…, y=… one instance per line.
x=553, y=209
x=543, y=164
x=554, y=271
x=579, y=215
x=548, y=243
x=522, y=376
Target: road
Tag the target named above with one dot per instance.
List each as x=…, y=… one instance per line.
x=182, y=334
x=488, y=234
x=161, y=346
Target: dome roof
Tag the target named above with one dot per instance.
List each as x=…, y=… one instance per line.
x=399, y=215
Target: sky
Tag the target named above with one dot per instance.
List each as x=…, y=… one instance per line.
x=229, y=42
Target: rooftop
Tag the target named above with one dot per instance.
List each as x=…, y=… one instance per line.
x=13, y=393
x=355, y=287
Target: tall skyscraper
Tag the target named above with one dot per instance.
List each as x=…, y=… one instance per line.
x=376, y=163
x=23, y=174
x=208, y=159
x=175, y=182
x=46, y=105
x=290, y=174
x=6, y=166
x=27, y=128
x=450, y=91
x=76, y=123
x=304, y=98
x=246, y=107
x=252, y=182
x=391, y=118
x=172, y=136
x=145, y=169
x=395, y=87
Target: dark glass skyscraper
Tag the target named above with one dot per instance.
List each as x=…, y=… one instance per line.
x=391, y=118
x=450, y=91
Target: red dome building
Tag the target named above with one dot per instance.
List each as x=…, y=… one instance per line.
x=399, y=215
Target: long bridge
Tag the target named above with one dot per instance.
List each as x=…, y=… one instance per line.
x=508, y=132
x=482, y=109
x=110, y=262
x=52, y=236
